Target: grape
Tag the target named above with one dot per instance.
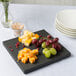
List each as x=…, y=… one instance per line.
x=44, y=40
x=40, y=41
x=40, y=36
x=58, y=47
x=53, y=51
x=47, y=54
x=54, y=46
x=55, y=40
x=49, y=36
x=37, y=45
x=47, y=43
x=43, y=45
x=44, y=50
x=50, y=41
x=34, y=41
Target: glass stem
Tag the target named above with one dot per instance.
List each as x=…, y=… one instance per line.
x=6, y=14
x=6, y=4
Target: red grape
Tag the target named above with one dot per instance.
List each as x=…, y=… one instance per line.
x=49, y=36
x=47, y=43
x=54, y=46
x=34, y=41
x=40, y=36
x=40, y=41
x=55, y=40
x=37, y=45
x=44, y=40
x=50, y=41
x=58, y=47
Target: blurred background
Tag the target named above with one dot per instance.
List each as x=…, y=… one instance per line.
x=49, y=2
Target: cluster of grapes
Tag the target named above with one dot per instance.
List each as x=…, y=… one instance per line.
x=38, y=42
x=48, y=52
x=47, y=42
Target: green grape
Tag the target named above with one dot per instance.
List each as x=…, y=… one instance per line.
x=47, y=54
x=43, y=45
x=44, y=50
x=53, y=51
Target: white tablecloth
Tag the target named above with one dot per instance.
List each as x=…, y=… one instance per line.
x=37, y=17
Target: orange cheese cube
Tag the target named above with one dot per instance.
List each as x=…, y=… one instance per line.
x=32, y=60
x=24, y=60
x=36, y=35
x=19, y=56
x=35, y=51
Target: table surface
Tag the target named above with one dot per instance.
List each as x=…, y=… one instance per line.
x=37, y=17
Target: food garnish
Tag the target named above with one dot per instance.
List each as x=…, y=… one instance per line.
x=12, y=50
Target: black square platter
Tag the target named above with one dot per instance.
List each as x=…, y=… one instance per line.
x=42, y=61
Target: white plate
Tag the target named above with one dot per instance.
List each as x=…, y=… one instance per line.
x=65, y=34
x=67, y=31
x=73, y=30
x=67, y=18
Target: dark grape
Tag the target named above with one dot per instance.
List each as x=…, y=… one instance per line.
x=58, y=47
x=44, y=40
x=40, y=36
x=40, y=41
x=34, y=41
x=49, y=36
x=50, y=41
x=54, y=46
x=55, y=40
x=37, y=44
x=47, y=43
